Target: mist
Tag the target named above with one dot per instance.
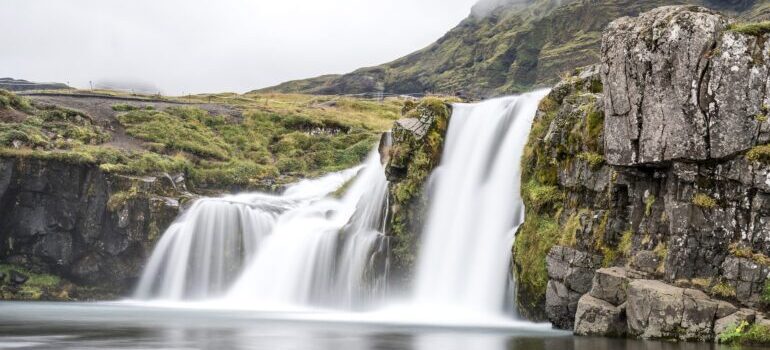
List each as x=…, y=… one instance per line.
x=183, y=47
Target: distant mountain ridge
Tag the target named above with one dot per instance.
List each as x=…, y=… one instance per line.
x=11, y=84
x=505, y=46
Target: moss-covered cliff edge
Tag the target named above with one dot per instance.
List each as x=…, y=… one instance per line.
x=651, y=168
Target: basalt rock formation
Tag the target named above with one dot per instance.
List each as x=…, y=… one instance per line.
x=92, y=229
x=656, y=161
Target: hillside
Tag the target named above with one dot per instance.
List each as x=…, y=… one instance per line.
x=220, y=142
x=505, y=46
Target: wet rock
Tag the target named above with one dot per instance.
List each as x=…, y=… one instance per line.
x=610, y=285
x=17, y=278
x=656, y=310
x=2, y=277
x=600, y=318
x=570, y=274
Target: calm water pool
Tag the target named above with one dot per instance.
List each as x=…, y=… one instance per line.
x=120, y=326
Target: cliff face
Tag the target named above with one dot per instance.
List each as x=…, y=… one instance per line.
x=653, y=165
x=505, y=46
x=91, y=229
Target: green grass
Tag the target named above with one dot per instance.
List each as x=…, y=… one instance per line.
x=754, y=28
x=12, y=101
x=277, y=139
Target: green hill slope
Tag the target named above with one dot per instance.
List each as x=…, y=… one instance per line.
x=514, y=46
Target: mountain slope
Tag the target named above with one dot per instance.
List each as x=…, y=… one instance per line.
x=505, y=46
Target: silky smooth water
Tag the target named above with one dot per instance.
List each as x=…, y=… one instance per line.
x=57, y=326
x=475, y=206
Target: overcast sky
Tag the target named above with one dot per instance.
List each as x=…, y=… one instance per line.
x=194, y=46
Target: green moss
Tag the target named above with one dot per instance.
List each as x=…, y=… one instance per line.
x=626, y=242
x=723, y=290
x=594, y=160
x=36, y=286
x=540, y=196
x=648, y=203
x=754, y=28
x=536, y=237
x=744, y=333
x=704, y=201
x=417, y=159
x=759, y=154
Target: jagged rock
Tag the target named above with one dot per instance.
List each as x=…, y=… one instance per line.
x=735, y=318
x=610, y=285
x=747, y=277
x=570, y=275
x=656, y=310
x=17, y=278
x=2, y=277
x=598, y=317
x=681, y=87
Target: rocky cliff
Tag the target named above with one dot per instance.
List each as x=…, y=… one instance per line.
x=646, y=183
x=74, y=232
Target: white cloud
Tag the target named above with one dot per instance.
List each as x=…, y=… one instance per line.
x=192, y=46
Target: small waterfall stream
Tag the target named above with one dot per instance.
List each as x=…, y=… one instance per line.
x=306, y=248
x=475, y=206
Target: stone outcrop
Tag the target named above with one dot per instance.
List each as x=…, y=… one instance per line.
x=570, y=273
x=600, y=318
x=659, y=311
x=657, y=161
x=410, y=152
x=681, y=87
x=74, y=221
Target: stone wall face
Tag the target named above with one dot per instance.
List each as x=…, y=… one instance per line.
x=77, y=222
x=676, y=193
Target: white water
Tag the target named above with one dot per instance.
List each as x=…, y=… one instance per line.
x=303, y=248
x=476, y=207
x=267, y=248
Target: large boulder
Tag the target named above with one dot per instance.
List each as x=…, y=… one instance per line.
x=611, y=285
x=656, y=310
x=600, y=318
x=570, y=274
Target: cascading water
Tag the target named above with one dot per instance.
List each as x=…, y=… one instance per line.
x=305, y=248
x=475, y=206
x=274, y=250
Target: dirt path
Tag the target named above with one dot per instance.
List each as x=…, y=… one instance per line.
x=99, y=109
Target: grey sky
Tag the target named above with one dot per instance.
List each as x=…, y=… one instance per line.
x=193, y=46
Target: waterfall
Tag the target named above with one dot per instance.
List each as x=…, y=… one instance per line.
x=273, y=249
x=307, y=248
x=475, y=206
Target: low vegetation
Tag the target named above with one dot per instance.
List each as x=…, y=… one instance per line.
x=34, y=288
x=746, y=334
x=704, y=201
x=752, y=28
x=277, y=139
